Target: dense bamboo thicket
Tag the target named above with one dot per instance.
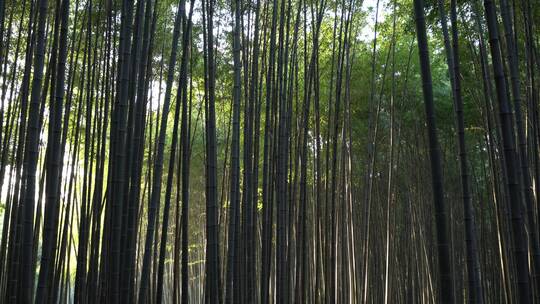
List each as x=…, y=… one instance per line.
x=269, y=151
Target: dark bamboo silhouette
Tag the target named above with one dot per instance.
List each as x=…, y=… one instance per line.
x=445, y=270
x=158, y=165
x=510, y=162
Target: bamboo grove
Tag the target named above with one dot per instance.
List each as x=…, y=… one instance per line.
x=269, y=151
